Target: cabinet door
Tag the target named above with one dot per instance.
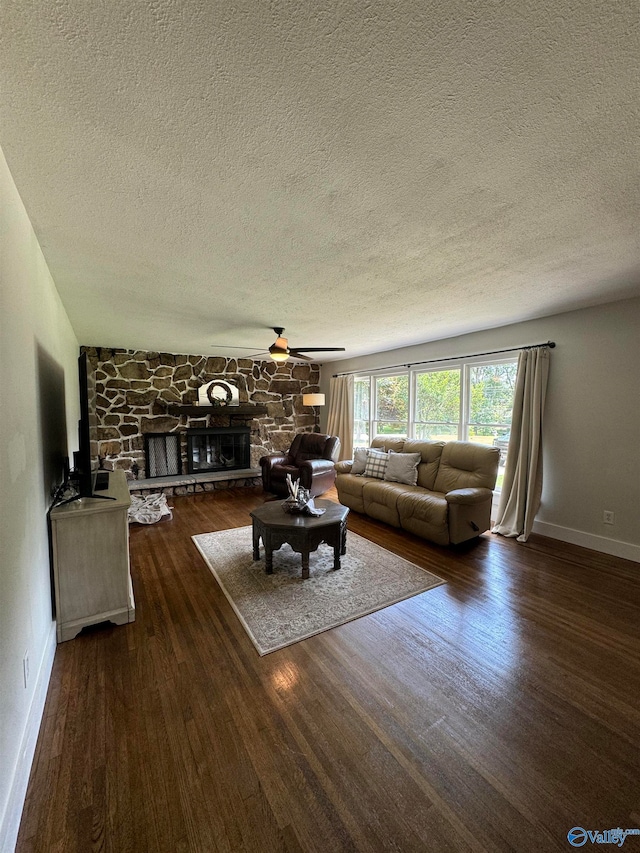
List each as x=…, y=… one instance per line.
x=92, y=564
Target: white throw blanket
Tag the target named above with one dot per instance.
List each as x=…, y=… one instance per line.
x=149, y=509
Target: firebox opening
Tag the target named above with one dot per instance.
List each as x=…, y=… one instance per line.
x=162, y=454
x=221, y=449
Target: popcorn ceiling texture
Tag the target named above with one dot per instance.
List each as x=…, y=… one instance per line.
x=134, y=390
x=197, y=172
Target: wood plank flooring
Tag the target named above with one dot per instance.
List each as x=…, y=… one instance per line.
x=493, y=713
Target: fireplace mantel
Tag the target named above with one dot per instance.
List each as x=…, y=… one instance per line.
x=250, y=409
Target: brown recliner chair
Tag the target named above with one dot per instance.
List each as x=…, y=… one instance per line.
x=311, y=460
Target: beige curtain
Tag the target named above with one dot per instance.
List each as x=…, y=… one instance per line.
x=340, y=417
x=522, y=486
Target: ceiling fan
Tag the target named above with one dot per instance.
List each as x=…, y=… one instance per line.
x=281, y=351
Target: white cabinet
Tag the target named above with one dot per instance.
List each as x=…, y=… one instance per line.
x=90, y=545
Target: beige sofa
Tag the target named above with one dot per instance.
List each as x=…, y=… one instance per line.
x=451, y=501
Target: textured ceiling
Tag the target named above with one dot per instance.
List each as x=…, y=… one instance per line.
x=365, y=174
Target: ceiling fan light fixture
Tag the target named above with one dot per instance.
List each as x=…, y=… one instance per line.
x=278, y=354
x=279, y=350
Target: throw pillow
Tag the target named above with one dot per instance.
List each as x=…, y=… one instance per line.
x=359, y=460
x=376, y=463
x=403, y=468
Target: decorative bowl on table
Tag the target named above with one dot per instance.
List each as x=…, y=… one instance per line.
x=294, y=506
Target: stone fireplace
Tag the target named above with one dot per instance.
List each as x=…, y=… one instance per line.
x=142, y=394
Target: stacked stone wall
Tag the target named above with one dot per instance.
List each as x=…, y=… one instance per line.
x=135, y=390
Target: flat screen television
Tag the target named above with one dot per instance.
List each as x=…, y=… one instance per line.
x=53, y=424
x=85, y=459
x=82, y=458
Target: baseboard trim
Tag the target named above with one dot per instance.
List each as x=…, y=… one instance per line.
x=588, y=540
x=13, y=814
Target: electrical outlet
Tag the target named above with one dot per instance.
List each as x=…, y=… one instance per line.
x=608, y=517
x=25, y=669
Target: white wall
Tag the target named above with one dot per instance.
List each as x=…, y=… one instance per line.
x=592, y=427
x=38, y=413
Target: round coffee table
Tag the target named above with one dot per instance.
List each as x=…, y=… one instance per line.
x=304, y=533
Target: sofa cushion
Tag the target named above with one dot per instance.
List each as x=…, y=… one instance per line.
x=350, y=488
x=381, y=500
x=376, y=464
x=424, y=513
x=359, y=460
x=402, y=468
x=430, y=451
x=467, y=465
x=388, y=442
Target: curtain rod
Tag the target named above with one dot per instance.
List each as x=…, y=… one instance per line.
x=550, y=344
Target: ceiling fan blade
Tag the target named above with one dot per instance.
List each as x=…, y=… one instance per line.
x=280, y=349
x=319, y=349
x=231, y=346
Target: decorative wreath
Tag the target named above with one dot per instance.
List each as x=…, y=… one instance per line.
x=216, y=401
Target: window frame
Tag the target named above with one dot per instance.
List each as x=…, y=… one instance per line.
x=412, y=372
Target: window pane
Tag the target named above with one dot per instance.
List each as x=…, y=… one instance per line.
x=436, y=432
x=392, y=428
x=492, y=388
x=437, y=405
x=392, y=404
x=361, y=402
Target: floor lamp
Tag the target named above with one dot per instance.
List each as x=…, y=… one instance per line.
x=314, y=400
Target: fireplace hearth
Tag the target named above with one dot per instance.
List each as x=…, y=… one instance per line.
x=218, y=449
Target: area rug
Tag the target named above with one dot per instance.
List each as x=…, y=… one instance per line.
x=280, y=609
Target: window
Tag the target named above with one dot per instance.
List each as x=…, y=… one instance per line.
x=470, y=400
x=361, y=398
x=491, y=401
x=437, y=405
x=392, y=405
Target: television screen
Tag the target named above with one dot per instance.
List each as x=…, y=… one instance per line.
x=53, y=423
x=82, y=458
x=86, y=458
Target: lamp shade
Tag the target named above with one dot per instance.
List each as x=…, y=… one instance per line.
x=313, y=399
x=279, y=355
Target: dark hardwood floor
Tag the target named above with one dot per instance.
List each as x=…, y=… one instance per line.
x=493, y=713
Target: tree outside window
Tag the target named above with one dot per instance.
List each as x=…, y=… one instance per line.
x=392, y=404
x=361, y=409
x=492, y=388
x=437, y=405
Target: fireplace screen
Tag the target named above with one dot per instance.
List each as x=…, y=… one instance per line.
x=218, y=449
x=162, y=453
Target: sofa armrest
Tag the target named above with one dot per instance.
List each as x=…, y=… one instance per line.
x=344, y=467
x=468, y=497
